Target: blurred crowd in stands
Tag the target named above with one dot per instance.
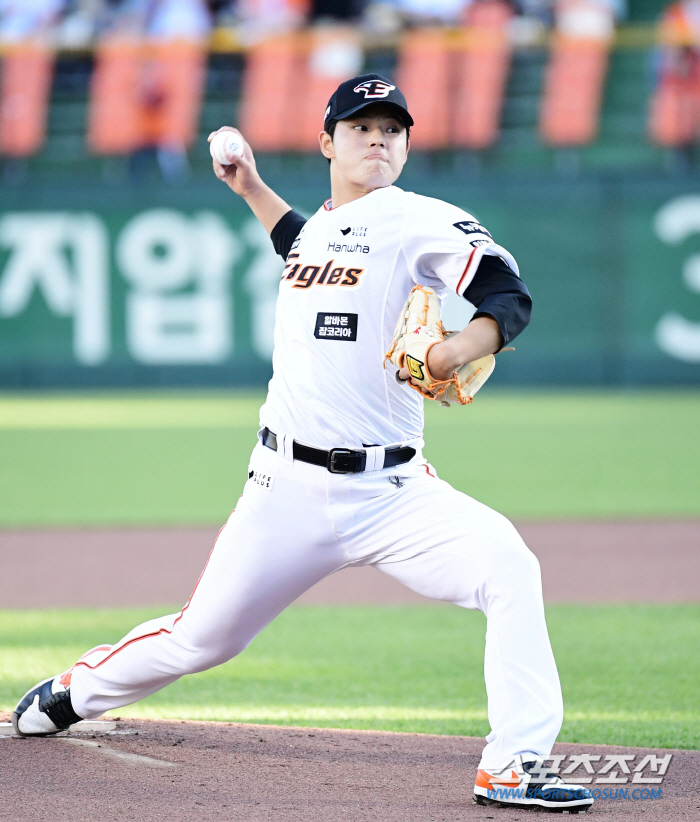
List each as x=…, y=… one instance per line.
x=453, y=61
x=76, y=23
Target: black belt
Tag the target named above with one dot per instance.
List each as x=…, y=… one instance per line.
x=340, y=460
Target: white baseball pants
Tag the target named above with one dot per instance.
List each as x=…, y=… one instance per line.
x=295, y=524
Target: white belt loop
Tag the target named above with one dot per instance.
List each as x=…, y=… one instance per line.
x=375, y=458
x=285, y=445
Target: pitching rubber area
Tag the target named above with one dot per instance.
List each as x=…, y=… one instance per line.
x=180, y=771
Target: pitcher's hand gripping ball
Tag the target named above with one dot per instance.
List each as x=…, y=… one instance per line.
x=418, y=329
x=225, y=146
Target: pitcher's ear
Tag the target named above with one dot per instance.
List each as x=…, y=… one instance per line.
x=326, y=143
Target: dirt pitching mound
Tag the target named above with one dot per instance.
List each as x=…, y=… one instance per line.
x=177, y=771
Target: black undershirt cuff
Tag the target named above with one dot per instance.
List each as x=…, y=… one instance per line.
x=286, y=231
x=498, y=292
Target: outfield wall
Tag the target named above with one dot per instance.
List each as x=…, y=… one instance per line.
x=115, y=284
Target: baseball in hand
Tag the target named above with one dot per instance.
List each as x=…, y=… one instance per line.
x=225, y=146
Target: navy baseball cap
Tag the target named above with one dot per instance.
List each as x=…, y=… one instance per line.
x=354, y=95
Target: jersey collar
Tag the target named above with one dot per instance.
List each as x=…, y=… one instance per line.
x=328, y=205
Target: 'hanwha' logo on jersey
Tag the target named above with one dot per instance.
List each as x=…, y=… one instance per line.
x=374, y=89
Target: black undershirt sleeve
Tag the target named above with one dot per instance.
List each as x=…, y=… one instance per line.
x=499, y=293
x=286, y=231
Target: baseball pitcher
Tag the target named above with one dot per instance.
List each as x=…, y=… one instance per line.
x=338, y=477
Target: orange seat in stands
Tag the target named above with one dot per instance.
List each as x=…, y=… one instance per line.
x=423, y=75
x=573, y=87
x=25, y=86
x=174, y=74
x=114, y=121
x=145, y=94
x=273, y=86
x=674, y=115
x=482, y=60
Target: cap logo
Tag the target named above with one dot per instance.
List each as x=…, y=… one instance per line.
x=374, y=89
x=328, y=111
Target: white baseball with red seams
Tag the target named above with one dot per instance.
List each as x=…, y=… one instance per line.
x=224, y=146
x=345, y=280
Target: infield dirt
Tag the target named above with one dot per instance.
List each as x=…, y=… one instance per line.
x=222, y=772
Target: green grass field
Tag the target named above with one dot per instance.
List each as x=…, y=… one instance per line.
x=627, y=674
x=181, y=458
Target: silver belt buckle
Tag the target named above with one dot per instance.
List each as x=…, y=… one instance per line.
x=333, y=454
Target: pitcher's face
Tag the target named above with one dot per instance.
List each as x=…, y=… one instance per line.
x=369, y=150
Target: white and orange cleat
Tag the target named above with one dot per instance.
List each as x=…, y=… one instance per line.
x=530, y=785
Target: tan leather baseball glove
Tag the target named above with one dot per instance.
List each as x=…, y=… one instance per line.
x=419, y=327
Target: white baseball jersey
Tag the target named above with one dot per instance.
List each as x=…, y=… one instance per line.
x=346, y=278
x=347, y=275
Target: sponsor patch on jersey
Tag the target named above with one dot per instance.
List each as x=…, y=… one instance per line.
x=471, y=227
x=261, y=478
x=348, y=248
x=331, y=326
x=357, y=231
